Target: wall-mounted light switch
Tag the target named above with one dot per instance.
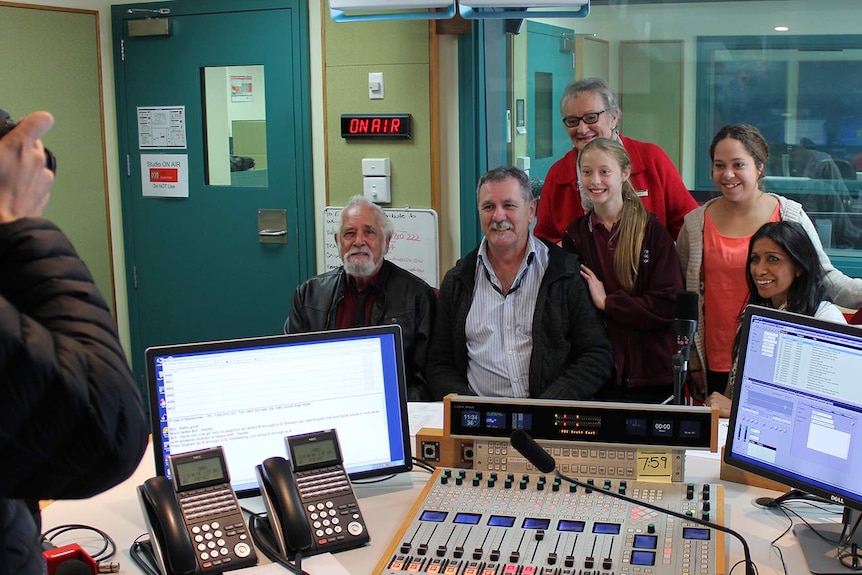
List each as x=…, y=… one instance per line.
x=375, y=85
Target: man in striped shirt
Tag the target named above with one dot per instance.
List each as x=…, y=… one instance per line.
x=514, y=317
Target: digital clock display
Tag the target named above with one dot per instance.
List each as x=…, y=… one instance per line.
x=376, y=126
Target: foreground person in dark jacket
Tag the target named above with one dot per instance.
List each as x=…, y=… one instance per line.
x=369, y=290
x=514, y=318
x=71, y=423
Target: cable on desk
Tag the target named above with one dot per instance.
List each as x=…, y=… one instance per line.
x=102, y=557
x=143, y=555
x=773, y=543
x=370, y=481
x=423, y=464
x=848, y=552
x=810, y=525
x=845, y=535
x=787, y=510
x=738, y=563
x=264, y=540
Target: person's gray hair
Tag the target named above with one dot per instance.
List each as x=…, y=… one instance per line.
x=504, y=173
x=382, y=219
x=596, y=86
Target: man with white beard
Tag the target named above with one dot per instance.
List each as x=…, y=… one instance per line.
x=369, y=290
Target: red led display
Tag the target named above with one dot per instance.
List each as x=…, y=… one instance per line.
x=376, y=126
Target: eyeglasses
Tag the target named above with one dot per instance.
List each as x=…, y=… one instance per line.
x=573, y=121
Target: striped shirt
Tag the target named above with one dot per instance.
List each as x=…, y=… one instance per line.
x=500, y=327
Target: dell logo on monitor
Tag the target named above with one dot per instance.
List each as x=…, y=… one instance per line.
x=837, y=499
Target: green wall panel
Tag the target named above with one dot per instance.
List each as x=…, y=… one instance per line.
x=400, y=51
x=59, y=72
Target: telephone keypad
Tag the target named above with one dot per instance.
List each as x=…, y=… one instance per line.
x=328, y=500
x=216, y=543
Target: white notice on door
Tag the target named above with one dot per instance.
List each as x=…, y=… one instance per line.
x=165, y=175
x=162, y=127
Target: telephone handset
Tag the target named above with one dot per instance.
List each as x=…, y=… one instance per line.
x=283, y=506
x=309, y=499
x=195, y=523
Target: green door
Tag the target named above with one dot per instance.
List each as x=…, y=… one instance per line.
x=204, y=88
x=550, y=68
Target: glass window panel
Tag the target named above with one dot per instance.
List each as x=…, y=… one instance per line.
x=235, y=121
x=801, y=87
x=546, y=114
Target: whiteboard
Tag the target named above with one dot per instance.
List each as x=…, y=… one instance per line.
x=414, y=245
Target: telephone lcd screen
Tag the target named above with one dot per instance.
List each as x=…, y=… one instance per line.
x=316, y=453
x=195, y=471
x=248, y=395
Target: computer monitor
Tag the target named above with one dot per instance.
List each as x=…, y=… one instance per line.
x=247, y=395
x=796, y=416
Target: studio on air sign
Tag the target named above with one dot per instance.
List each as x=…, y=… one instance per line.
x=165, y=175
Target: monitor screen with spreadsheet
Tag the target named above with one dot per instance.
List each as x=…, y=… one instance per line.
x=247, y=395
x=796, y=415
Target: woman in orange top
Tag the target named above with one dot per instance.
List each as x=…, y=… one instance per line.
x=713, y=246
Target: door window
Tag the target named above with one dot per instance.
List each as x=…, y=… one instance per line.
x=235, y=126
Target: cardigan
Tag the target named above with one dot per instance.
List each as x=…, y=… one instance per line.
x=840, y=289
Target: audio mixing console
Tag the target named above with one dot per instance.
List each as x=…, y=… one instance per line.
x=470, y=522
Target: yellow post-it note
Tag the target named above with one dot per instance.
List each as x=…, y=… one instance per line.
x=655, y=465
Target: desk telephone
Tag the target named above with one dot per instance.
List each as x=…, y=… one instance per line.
x=309, y=500
x=195, y=523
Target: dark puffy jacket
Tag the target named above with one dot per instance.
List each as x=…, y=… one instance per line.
x=571, y=357
x=71, y=422
x=401, y=298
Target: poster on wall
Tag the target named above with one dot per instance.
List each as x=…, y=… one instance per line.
x=241, y=89
x=165, y=175
x=161, y=127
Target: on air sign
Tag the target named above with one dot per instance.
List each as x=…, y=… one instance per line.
x=165, y=175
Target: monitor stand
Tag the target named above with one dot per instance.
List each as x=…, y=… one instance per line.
x=822, y=556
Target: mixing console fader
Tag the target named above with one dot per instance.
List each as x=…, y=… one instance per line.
x=469, y=522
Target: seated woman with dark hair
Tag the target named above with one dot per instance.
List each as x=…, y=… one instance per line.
x=784, y=273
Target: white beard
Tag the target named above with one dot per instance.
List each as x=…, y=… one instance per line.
x=364, y=270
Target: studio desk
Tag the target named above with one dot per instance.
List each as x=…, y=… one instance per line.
x=488, y=520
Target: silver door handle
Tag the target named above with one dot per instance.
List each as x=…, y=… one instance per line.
x=272, y=226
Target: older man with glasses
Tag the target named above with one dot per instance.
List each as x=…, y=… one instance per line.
x=590, y=111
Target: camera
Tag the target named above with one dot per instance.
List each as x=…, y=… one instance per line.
x=6, y=126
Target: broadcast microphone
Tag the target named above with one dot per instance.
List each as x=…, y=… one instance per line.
x=544, y=462
x=685, y=326
x=527, y=446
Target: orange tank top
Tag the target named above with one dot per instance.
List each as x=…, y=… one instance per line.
x=724, y=290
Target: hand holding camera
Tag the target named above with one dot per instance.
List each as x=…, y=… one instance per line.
x=26, y=166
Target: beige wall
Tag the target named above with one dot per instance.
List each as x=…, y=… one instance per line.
x=103, y=9
x=47, y=77
x=400, y=51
